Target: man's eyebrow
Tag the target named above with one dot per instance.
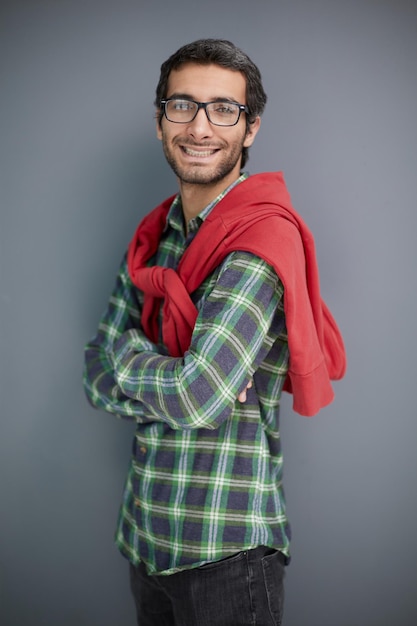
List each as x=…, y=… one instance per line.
x=187, y=96
x=180, y=96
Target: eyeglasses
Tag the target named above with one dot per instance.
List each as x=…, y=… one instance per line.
x=183, y=111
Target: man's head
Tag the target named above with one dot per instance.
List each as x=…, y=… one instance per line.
x=223, y=54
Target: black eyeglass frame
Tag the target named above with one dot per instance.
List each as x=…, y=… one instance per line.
x=203, y=105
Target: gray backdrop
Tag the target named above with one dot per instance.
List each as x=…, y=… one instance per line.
x=81, y=165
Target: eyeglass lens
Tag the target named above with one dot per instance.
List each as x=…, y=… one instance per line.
x=220, y=113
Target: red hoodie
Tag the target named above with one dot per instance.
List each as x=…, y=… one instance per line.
x=255, y=216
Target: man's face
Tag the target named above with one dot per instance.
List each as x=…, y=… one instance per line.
x=199, y=152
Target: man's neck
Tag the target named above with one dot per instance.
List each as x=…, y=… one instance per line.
x=194, y=198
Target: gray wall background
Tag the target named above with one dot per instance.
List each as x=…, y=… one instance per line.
x=81, y=165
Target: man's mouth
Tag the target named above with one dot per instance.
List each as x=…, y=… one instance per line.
x=207, y=152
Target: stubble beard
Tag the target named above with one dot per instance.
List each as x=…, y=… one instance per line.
x=199, y=175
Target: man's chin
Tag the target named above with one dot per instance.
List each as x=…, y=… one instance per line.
x=200, y=175
x=199, y=178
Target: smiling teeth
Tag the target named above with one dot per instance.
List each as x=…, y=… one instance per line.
x=199, y=153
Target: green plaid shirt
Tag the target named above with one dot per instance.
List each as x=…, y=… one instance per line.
x=205, y=478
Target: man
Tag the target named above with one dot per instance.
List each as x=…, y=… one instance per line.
x=194, y=348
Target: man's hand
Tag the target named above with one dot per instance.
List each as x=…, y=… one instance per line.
x=242, y=396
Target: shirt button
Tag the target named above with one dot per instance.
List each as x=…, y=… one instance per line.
x=137, y=502
x=142, y=450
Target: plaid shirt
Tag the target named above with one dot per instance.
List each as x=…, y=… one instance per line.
x=205, y=478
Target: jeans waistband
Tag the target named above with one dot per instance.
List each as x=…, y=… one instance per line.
x=261, y=551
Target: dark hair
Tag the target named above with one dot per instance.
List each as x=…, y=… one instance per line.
x=226, y=54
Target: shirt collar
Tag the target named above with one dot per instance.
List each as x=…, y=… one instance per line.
x=175, y=215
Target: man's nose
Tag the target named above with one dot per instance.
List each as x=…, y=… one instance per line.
x=200, y=126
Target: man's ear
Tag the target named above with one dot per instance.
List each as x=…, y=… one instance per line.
x=158, y=124
x=251, y=132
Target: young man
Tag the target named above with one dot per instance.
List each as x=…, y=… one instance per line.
x=216, y=309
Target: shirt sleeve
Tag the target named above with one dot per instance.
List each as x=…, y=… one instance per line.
x=122, y=315
x=238, y=322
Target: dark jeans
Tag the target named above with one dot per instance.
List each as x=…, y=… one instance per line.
x=246, y=588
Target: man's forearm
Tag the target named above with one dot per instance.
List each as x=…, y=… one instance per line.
x=200, y=389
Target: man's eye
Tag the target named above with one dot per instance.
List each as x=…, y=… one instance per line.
x=225, y=109
x=182, y=105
